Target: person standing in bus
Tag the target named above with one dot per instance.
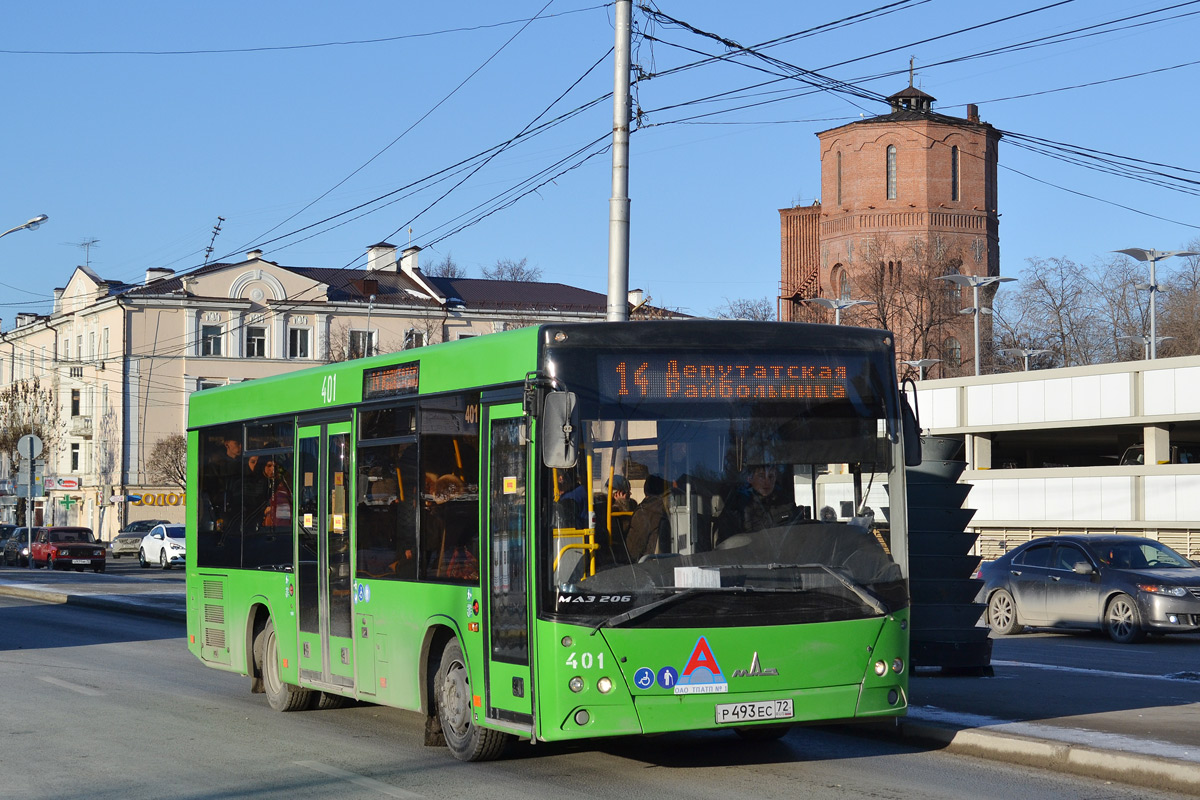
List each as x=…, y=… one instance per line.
x=279, y=498
x=649, y=528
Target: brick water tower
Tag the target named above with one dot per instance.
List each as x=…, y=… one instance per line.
x=906, y=197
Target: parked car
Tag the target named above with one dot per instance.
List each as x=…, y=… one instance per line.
x=1127, y=586
x=16, y=548
x=67, y=547
x=129, y=539
x=164, y=546
x=1183, y=453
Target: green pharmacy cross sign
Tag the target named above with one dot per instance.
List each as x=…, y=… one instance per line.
x=68, y=501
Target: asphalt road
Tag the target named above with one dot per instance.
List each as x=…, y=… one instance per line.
x=102, y=705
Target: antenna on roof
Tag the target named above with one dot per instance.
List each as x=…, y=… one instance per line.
x=208, y=251
x=86, y=245
x=910, y=71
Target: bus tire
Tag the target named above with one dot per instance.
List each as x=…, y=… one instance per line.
x=281, y=696
x=325, y=701
x=452, y=687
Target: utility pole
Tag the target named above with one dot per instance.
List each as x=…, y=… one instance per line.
x=618, y=204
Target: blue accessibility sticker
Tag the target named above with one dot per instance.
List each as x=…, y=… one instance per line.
x=643, y=678
x=667, y=677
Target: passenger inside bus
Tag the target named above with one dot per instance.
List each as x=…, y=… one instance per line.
x=760, y=503
x=649, y=528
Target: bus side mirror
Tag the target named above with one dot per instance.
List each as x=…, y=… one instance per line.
x=557, y=430
x=912, y=433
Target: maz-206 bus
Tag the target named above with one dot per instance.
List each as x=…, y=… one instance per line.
x=564, y=531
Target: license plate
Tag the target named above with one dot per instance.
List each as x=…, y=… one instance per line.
x=729, y=713
x=81, y=561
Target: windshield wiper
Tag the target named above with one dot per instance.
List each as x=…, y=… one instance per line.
x=692, y=591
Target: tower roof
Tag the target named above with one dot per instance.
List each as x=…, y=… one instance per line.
x=911, y=99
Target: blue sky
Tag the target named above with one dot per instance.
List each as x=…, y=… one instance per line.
x=120, y=136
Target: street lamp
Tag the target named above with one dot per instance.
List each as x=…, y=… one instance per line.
x=975, y=282
x=1025, y=354
x=923, y=364
x=1144, y=338
x=31, y=225
x=1153, y=256
x=837, y=305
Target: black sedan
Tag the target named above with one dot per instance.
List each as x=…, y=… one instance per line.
x=1127, y=586
x=16, y=548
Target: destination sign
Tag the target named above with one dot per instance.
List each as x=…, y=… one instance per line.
x=721, y=377
x=393, y=381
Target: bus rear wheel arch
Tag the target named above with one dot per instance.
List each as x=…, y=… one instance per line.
x=455, y=711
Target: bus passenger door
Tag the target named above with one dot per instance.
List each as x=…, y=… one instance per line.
x=505, y=582
x=323, y=574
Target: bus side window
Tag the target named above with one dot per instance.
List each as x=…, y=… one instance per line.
x=449, y=435
x=387, y=511
x=219, y=540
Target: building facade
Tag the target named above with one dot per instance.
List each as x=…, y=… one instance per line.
x=906, y=197
x=121, y=360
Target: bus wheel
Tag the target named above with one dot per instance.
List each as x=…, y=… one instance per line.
x=325, y=700
x=466, y=740
x=281, y=696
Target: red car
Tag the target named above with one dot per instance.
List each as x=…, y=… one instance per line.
x=66, y=548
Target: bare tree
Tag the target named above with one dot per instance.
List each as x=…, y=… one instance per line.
x=29, y=407
x=508, y=270
x=167, y=463
x=447, y=267
x=1053, y=301
x=1179, y=307
x=760, y=309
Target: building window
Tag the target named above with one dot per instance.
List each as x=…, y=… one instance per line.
x=891, y=172
x=839, y=178
x=362, y=344
x=952, y=351
x=256, y=342
x=298, y=343
x=205, y=383
x=210, y=340
x=954, y=173
x=414, y=338
x=104, y=343
x=74, y=402
x=74, y=456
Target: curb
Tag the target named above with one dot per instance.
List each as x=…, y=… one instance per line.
x=1137, y=770
x=105, y=602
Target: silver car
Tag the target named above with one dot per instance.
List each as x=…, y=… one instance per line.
x=1127, y=586
x=129, y=539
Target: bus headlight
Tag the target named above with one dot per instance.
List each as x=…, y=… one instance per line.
x=897, y=665
x=881, y=668
x=576, y=684
x=604, y=685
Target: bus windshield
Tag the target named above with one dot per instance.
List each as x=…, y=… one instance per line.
x=730, y=509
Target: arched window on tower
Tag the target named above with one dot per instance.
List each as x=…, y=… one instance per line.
x=844, y=285
x=952, y=353
x=839, y=178
x=954, y=173
x=891, y=172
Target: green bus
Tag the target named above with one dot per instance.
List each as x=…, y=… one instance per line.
x=564, y=531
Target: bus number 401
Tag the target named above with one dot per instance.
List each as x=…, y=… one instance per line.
x=328, y=388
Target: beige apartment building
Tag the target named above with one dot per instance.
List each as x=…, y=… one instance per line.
x=122, y=359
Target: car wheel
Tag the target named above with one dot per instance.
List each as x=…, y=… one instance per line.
x=452, y=689
x=1002, y=613
x=162, y=559
x=281, y=696
x=1122, y=621
x=142, y=562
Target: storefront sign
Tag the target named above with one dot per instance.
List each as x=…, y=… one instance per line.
x=63, y=484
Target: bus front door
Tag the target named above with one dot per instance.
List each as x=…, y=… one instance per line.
x=323, y=570
x=506, y=582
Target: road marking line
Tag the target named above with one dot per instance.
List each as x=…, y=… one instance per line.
x=357, y=780
x=73, y=687
x=1182, y=677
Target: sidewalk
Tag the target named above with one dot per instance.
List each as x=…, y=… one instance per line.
x=998, y=718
